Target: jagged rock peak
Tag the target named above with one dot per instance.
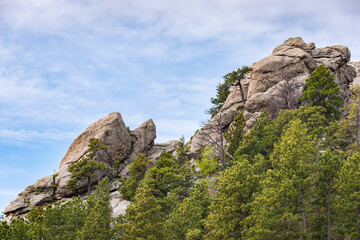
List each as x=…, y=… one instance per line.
x=111, y=130
x=122, y=143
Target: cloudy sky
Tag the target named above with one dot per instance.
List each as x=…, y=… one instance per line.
x=67, y=63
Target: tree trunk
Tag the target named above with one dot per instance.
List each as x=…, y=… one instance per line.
x=241, y=91
x=329, y=212
x=357, y=215
x=303, y=213
x=89, y=187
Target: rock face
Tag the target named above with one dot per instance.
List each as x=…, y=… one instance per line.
x=277, y=81
x=110, y=130
x=356, y=66
x=122, y=143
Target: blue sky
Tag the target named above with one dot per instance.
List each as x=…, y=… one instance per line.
x=67, y=63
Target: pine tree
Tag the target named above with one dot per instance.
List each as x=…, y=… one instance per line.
x=86, y=167
x=260, y=139
x=97, y=223
x=230, y=206
x=189, y=216
x=322, y=203
x=144, y=216
x=223, y=89
x=280, y=210
x=321, y=90
x=347, y=206
x=349, y=127
x=208, y=163
x=235, y=134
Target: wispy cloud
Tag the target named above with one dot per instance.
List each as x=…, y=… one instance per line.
x=22, y=136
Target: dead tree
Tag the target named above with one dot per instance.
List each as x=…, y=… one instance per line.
x=287, y=88
x=238, y=82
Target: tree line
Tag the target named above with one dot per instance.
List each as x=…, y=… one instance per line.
x=293, y=177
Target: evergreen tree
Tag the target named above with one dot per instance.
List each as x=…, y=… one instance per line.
x=144, y=216
x=97, y=223
x=187, y=220
x=279, y=211
x=321, y=90
x=86, y=167
x=230, y=207
x=347, y=205
x=235, y=134
x=170, y=183
x=182, y=152
x=208, y=163
x=223, y=89
x=260, y=139
x=321, y=209
x=137, y=172
x=349, y=127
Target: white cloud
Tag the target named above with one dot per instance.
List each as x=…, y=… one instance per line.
x=24, y=136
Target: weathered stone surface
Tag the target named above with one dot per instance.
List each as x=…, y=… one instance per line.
x=143, y=138
x=332, y=57
x=25, y=203
x=118, y=204
x=356, y=66
x=44, y=184
x=277, y=82
x=160, y=148
x=142, y=141
x=111, y=131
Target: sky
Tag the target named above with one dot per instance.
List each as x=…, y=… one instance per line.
x=67, y=63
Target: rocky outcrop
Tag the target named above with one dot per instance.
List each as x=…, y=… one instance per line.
x=277, y=82
x=122, y=143
x=356, y=66
x=110, y=130
x=158, y=149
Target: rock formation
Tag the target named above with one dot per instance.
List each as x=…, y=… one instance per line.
x=277, y=81
x=122, y=143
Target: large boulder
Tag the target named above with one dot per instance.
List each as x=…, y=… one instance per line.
x=111, y=131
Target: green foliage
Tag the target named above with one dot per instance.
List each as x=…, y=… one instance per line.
x=230, y=206
x=170, y=183
x=347, y=202
x=223, y=89
x=278, y=212
x=208, y=164
x=321, y=90
x=137, y=172
x=14, y=231
x=321, y=206
x=348, y=129
x=144, y=216
x=187, y=220
x=235, y=134
x=86, y=167
x=97, y=223
x=182, y=152
x=260, y=140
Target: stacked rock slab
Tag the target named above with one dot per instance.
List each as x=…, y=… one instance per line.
x=122, y=143
x=277, y=81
